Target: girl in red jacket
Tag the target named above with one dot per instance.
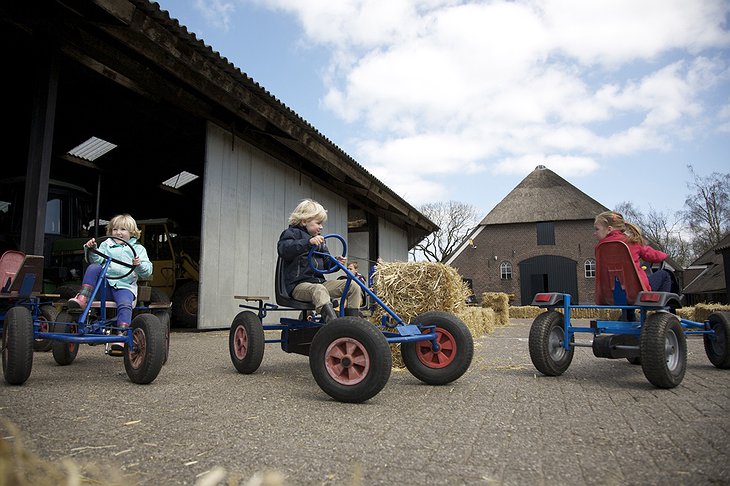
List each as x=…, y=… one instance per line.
x=610, y=226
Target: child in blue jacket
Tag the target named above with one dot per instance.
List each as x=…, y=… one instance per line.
x=301, y=281
x=124, y=290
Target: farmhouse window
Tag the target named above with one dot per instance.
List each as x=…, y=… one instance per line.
x=546, y=233
x=505, y=271
x=590, y=268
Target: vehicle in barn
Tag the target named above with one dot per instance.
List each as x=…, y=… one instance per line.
x=657, y=340
x=349, y=357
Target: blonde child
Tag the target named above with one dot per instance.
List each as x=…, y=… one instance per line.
x=301, y=281
x=610, y=226
x=123, y=290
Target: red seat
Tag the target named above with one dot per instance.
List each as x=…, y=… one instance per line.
x=613, y=261
x=10, y=264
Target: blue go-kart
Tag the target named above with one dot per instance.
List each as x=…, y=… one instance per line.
x=656, y=341
x=349, y=357
x=144, y=344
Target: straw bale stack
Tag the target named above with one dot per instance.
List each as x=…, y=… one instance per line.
x=479, y=320
x=412, y=288
x=703, y=311
x=499, y=303
x=525, y=312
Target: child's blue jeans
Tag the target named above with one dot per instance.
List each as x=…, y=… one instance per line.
x=124, y=298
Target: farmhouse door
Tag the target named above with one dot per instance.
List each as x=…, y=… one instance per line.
x=548, y=273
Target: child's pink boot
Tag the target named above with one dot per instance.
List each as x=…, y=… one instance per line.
x=81, y=299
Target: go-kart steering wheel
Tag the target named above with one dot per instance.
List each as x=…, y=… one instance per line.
x=107, y=257
x=335, y=266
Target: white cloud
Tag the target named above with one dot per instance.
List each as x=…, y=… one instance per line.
x=446, y=86
x=566, y=166
x=218, y=13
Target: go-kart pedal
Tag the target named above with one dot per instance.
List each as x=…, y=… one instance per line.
x=114, y=349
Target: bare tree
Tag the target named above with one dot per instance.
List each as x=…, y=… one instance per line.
x=660, y=229
x=454, y=220
x=707, y=209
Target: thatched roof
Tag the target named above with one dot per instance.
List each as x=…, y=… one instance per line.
x=543, y=196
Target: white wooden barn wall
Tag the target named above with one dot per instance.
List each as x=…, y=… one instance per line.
x=248, y=196
x=392, y=241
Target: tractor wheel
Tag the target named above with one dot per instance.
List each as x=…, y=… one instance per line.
x=717, y=346
x=454, y=354
x=47, y=314
x=17, y=350
x=143, y=360
x=663, y=350
x=64, y=352
x=185, y=305
x=246, y=342
x=547, y=353
x=350, y=359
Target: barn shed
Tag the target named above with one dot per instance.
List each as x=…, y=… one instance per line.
x=120, y=100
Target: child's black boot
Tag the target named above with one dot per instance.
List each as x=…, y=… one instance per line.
x=328, y=313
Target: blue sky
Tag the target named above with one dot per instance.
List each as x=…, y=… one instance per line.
x=460, y=100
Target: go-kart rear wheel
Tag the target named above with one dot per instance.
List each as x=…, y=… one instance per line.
x=547, y=352
x=717, y=345
x=17, y=350
x=453, y=355
x=350, y=359
x=64, y=352
x=47, y=314
x=246, y=342
x=143, y=360
x=663, y=350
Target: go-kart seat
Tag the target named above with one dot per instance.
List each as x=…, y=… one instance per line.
x=282, y=296
x=10, y=264
x=614, y=262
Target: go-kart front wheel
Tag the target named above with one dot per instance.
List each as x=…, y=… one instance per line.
x=547, y=352
x=451, y=355
x=350, y=359
x=717, y=345
x=65, y=352
x=17, y=350
x=663, y=350
x=143, y=360
x=246, y=342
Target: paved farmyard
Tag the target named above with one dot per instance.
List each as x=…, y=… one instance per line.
x=501, y=423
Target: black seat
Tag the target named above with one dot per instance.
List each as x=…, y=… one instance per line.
x=282, y=296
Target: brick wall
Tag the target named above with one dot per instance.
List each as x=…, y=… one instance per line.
x=514, y=243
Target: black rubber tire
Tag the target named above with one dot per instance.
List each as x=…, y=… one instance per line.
x=64, y=352
x=157, y=296
x=636, y=360
x=545, y=342
x=246, y=342
x=47, y=314
x=17, y=350
x=451, y=361
x=143, y=360
x=67, y=291
x=185, y=305
x=717, y=346
x=352, y=345
x=663, y=350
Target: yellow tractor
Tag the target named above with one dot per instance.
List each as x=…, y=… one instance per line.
x=176, y=272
